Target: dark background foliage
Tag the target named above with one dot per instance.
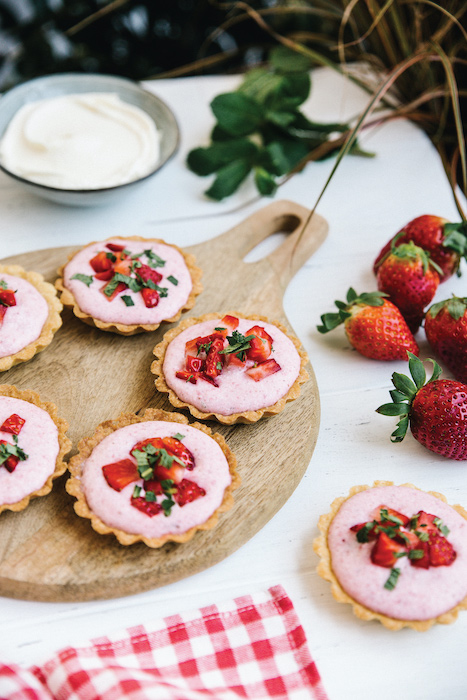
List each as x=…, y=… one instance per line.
x=134, y=38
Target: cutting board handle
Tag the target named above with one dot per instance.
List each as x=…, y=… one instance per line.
x=305, y=232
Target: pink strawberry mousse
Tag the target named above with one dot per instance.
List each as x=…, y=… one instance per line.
x=211, y=472
x=236, y=391
x=92, y=301
x=420, y=594
x=22, y=324
x=38, y=438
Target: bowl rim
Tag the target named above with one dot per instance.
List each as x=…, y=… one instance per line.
x=113, y=78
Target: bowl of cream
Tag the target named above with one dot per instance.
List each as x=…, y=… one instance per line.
x=84, y=139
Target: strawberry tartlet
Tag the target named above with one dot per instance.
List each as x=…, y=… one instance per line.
x=397, y=554
x=29, y=315
x=232, y=368
x=33, y=443
x=129, y=285
x=152, y=478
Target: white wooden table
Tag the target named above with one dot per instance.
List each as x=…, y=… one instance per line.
x=365, y=205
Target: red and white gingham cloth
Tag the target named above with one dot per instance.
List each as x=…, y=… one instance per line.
x=252, y=647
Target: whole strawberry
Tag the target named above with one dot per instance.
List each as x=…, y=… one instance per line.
x=373, y=325
x=436, y=410
x=446, y=331
x=410, y=279
x=445, y=242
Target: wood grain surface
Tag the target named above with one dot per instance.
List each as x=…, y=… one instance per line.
x=47, y=552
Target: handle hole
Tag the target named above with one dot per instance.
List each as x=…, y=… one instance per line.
x=277, y=234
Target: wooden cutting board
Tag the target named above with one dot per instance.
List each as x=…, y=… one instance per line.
x=46, y=551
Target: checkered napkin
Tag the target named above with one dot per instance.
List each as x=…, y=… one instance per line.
x=252, y=647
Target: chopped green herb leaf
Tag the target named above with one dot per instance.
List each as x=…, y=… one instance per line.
x=150, y=496
x=178, y=436
x=111, y=257
x=392, y=580
x=167, y=505
x=12, y=450
x=362, y=534
x=173, y=279
x=416, y=554
x=127, y=299
x=384, y=513
x=220, y=328
x=86, y=279
x=442, y=528
x=238, y=345
x=423, y=536
x=3, y=284
x=153, y=259
x=136, y=491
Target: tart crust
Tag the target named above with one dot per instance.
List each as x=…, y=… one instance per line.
x=68, y=299
x=63, y=441
x=320, y=545
x=87, y=445
x=51, y=325
x=246, y=416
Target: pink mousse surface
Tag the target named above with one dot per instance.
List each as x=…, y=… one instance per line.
x=93, y=302
x=420, y=594
x=237, y=391
x=23, y=323
x=114, y=508
x=39, y=440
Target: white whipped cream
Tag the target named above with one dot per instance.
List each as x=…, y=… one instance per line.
x=80, y=142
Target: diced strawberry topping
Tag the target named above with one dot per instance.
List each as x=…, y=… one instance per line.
x=101, y=262
x=120, y=474
x=425, y=522
x=121, y=286
x=368, y=531
x=234, y=361
x=188, y=491
x=2, y=313
x=150, y=296
x=150, y=508
x=123, y=265
x=172, y=445
x=194, y=364
x=148, y=274
x=264, y=369
x=175, y=472
x=11, y=462
x=441, y=551
x=187, y=376
x=191, y=347
x=103, y=276
x=214, y=361
x=13, y=424
x=115, y=247
x=7, y=297
x=208, y=378
x=260, y=345
x=231, y=322
x=153, y=485
x=385, y=514
x=384, y=551
x=422, y=562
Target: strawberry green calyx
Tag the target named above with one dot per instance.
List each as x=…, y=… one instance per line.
x=411, y=252
x=332, y=320
x=456, y=307
x=455, y=238
x=404, y=393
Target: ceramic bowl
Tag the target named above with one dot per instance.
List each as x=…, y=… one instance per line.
x=73, y=83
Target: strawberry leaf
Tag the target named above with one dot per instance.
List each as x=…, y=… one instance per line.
x=393, y=409
x=404, y=384
x=417, y=370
